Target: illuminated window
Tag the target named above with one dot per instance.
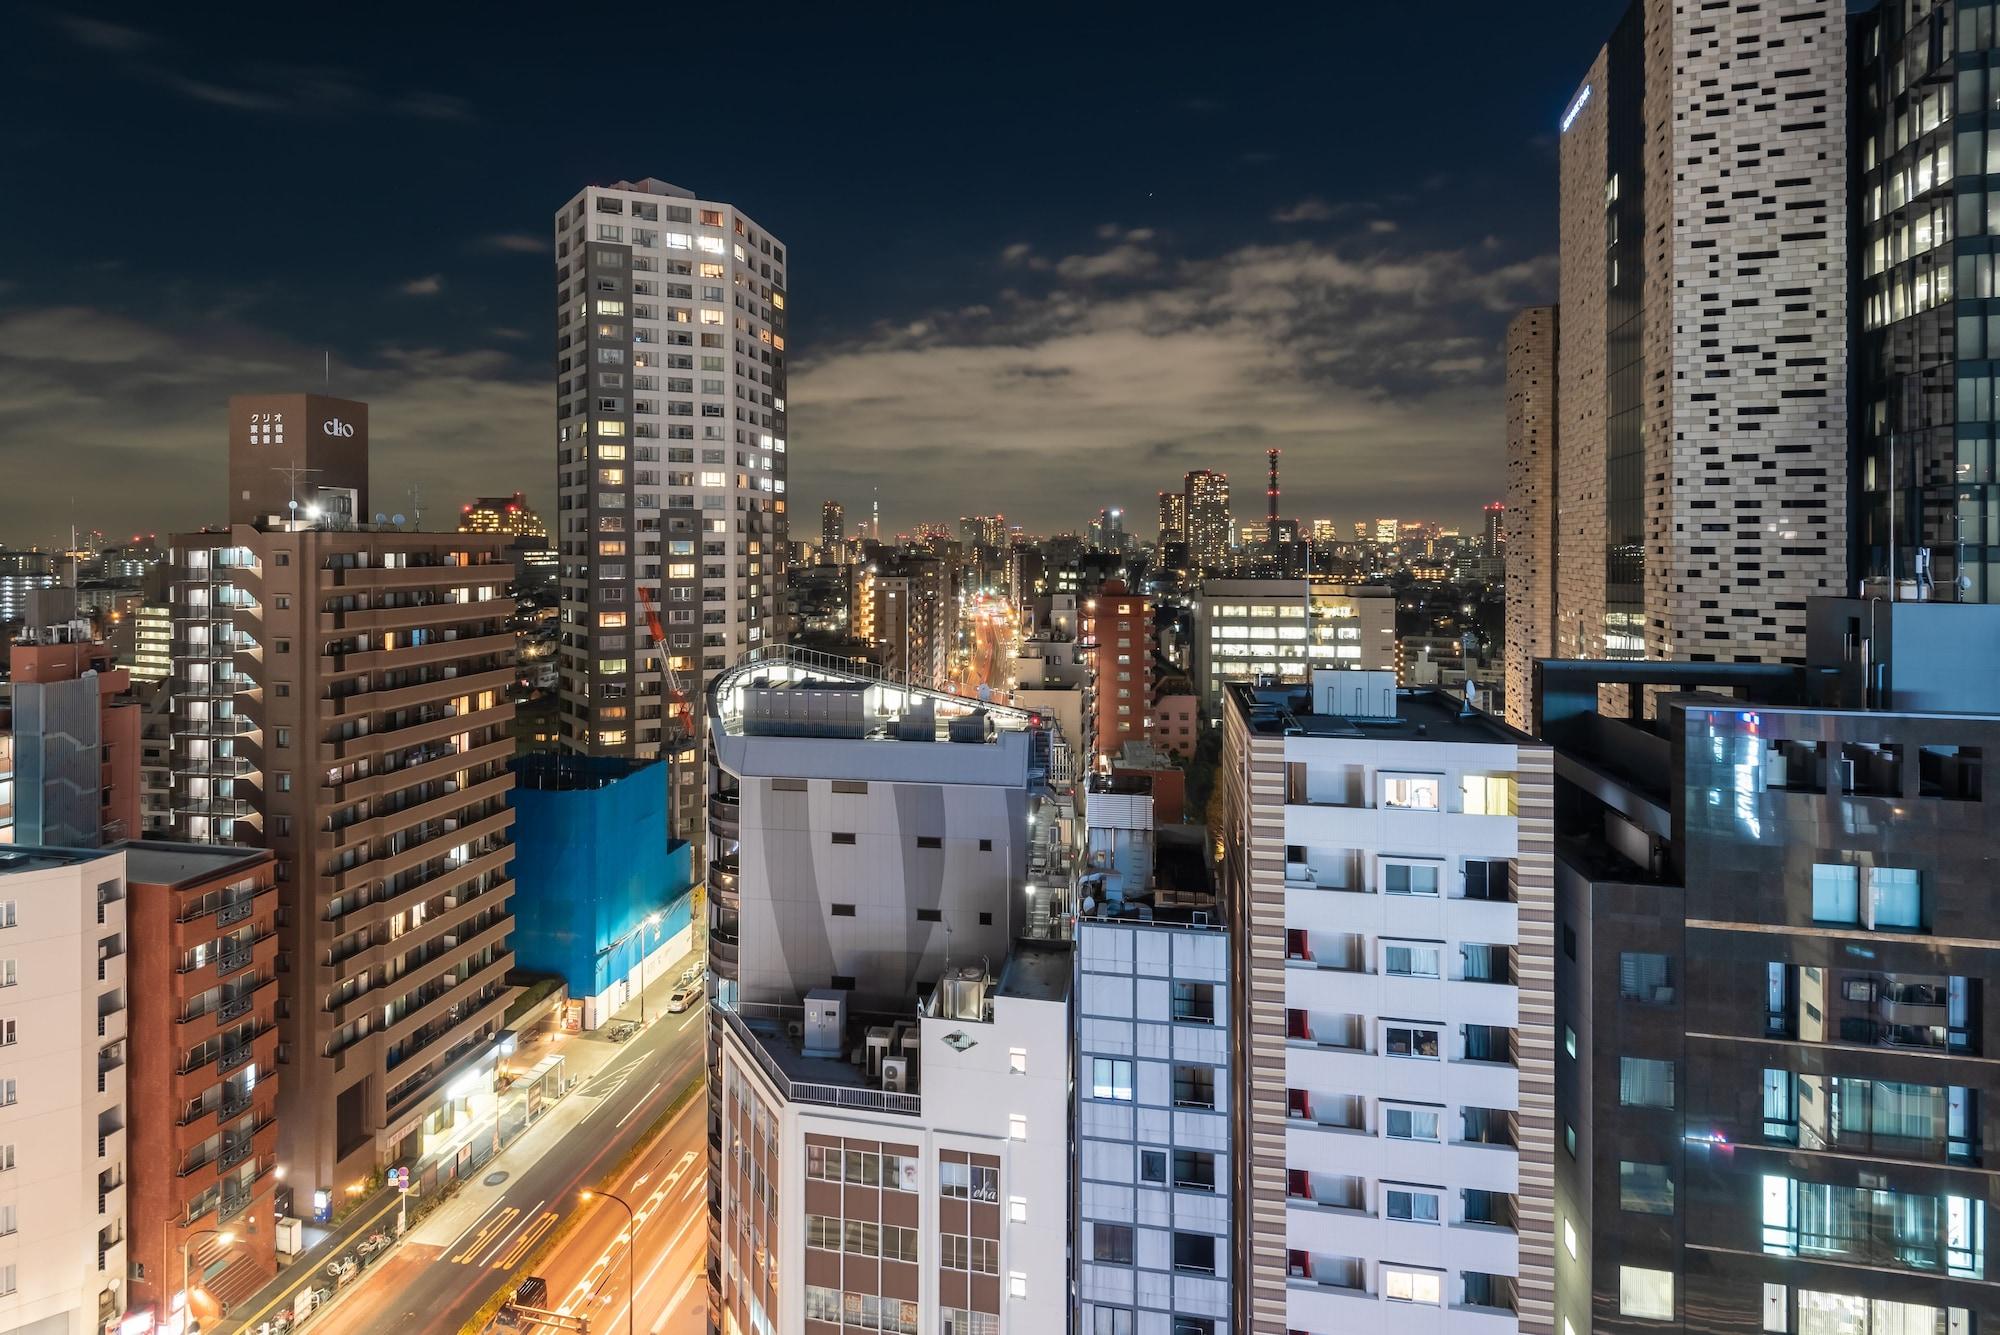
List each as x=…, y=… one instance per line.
x=1412, y=1286
x=681, y=570
x=611, y=736
x=611, y=620
x=711, y=244
x=1569, y=1238
x=709, y=315
x=610, y=428
x=610, y=307
x=679, y=241
x=1412, y=792
x=611, y=667
x=1645, y=1293
x=1488, y=794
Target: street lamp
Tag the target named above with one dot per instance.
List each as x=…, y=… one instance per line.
x=222, y=1235
x=631, y=1247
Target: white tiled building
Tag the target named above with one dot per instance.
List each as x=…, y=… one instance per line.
x=62, y=1090
x=1388, y=857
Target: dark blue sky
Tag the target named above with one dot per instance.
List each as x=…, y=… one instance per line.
x=1042, y=259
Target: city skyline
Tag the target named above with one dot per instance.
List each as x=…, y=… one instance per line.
x=1222, y=286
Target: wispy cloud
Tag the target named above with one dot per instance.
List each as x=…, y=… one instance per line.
x=271, y=88
x=1306, y=210
x=512, y=243
x=428, y=286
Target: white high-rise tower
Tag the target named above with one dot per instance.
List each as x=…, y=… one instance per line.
x=670, y=445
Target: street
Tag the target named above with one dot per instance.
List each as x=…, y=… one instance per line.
x=476, y=1243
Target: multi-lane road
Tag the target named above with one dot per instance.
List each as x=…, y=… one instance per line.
x=478, y=1242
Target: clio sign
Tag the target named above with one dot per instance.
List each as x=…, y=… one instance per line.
x=333, y=426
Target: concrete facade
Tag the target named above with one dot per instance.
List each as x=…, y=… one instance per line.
x=1532, y=533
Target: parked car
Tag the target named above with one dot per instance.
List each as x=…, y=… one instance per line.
x=683, y=998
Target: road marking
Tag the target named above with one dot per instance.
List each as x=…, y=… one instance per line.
x=452, y=1246
x=526, y=1242
x=486, y=1234
x=483, y=1253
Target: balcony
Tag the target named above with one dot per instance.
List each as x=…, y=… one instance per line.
x=724, y=814
x=723, y=952
x=212, y=806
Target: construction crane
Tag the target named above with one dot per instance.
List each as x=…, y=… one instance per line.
x=678, y=709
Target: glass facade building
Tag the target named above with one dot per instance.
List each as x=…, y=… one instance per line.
x=1926, y=103
x=1775, y=936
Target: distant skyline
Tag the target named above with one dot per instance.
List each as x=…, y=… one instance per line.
x=1039, y=294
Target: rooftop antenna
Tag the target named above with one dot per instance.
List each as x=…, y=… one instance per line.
x=327, y=368
x=416, y=506
x=292, y=474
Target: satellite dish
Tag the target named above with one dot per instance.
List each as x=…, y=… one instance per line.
x=381, y=518
x=395, y=519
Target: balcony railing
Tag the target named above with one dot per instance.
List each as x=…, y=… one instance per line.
x=797, y=1091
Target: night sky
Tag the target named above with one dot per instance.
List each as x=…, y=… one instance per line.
x=1042, y=259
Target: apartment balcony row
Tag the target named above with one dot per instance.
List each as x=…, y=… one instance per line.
x=444, y=575
x=494, y=673
x=212, y=766
x=447, y=1051
x=186, y=805
x=418, y=725
x=371, y=950
x=212, y=685
x=439, y=612
x=222, y=1152
x=423, y=764
x=212, y=725
x=448, y=1010
x=222, y=1105
x=254, y=993
x=228, y=910
x=434, y=814
x=223, y=1057
x=259, y=950
x=1331, y=1293
x=414, y=851
x=475, y=875
x=426, y=962
x=479, y=648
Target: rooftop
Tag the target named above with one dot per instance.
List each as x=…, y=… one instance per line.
x=1426, y=715
x=161, y=863
x=22, y=858
x=1036, y=971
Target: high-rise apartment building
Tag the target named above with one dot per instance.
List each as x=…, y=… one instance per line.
x=203, y=1079
x=1173, y=517
x=1206, y=514
x=1388, y=866
x=984, y=531
x=1388, y=532
x=1532, y=500
x=511, y=515
x=1774, y=903
x=1282, y=629
x=832, y=524
x=63, y=1148
x=904, y=606
x=340, y=699
x=20, y=574
x=1702, y=364
x=889, y=1098
x=1117, y=637
x=1925, y=289
x=670, y=441
x=1494, y=538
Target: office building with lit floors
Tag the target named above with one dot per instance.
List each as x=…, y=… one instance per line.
x=340, y=699
x=1285, y=629
x=1774, y=886
x=671, y=462
x=889, y=1092
x=203, y=1079
x=1116, y=637
x=1387, y=863
x=63, y=1050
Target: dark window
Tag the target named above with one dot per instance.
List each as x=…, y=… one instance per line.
x=929, y=915
x=1569, y=941
x=1194, y=1086
x=840, y=838
x=1569, y=1139
x=1195, y=1001
x=986, y=845
x=282, y=646
x=1111, y=1243
x=283, y=689
x=1486, y=879
x=1645, y=1188
x=843, y=910
x=1194, y=1251
x=1193, y=1325
x=1152, y=1165
x=985, y=920
x=842, y=983
x=1194, y=1168
x=929, y=841
x=849, y=786
x=1643, y=976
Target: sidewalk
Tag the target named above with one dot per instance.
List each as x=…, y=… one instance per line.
x=585, y=1055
